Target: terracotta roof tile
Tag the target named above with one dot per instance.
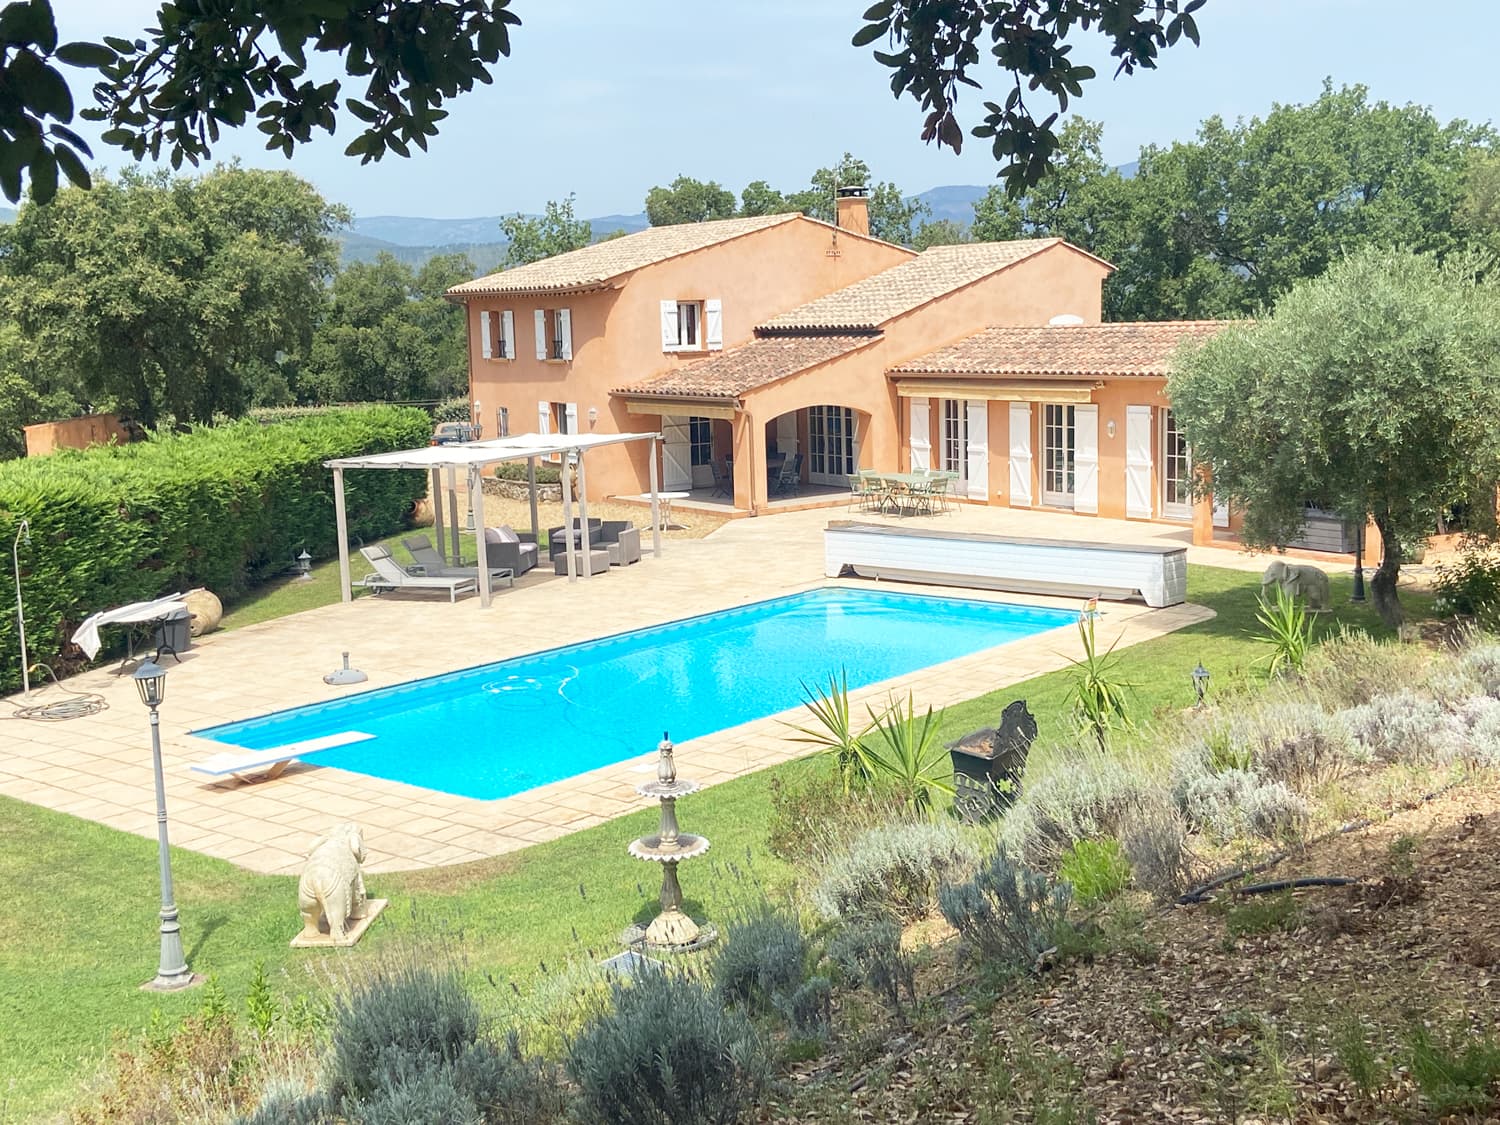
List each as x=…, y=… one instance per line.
x=763, y=360
x=900, y=289
x=1136, y=348
x=603, y=261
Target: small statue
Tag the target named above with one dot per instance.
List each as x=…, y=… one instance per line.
x=1307, y=582
x=332, y=885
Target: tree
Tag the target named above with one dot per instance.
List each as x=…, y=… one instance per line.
x=942, y=232
x=533, y=238
x=892, y=215
x=206, y=66
x=935, y=48
x=389, y=334
x=157, y=295
x=1479, y=210
x=688, y=201
x=760, y=198
x=1370, y=390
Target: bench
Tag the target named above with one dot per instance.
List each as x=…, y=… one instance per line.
x=266, y=765
x=1157, y=574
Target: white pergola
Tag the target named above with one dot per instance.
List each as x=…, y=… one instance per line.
x=473, y=457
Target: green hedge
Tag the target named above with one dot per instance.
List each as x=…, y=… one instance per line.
x=516, y=470
x=225, y=507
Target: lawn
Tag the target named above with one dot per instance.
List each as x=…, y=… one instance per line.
x=79, y=931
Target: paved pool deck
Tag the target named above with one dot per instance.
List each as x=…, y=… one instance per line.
x=99, y=767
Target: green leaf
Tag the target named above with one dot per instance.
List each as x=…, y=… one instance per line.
x=868, y=34
x=93, y=55
x=43, y=176
x=73, y=168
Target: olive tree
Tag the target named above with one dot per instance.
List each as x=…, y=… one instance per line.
x=1372, y=390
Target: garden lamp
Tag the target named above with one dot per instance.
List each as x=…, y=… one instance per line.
x=172, y=971
x=1200, y=682
x=304, y=566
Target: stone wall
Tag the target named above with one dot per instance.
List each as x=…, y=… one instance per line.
x=520, y=490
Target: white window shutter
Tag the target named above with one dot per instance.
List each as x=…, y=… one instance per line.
x=921, y=435
x=543, y=417
x=1138, y=462
x=486, y=341
x=669, y=326
x=507, y=335
x=713, y=316
x=1086, y=458
x=541, y=334
x=1020, y=455
x=565, y=331
x=978, y=449
x=570, y=412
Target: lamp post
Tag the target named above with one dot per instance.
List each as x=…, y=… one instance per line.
x=1200, y=682
x=1359, y=562
x=23, y=535
x=172, y=972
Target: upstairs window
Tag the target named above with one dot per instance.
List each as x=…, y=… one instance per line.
x=554, y=334
x=497, y=334
x=692, y=326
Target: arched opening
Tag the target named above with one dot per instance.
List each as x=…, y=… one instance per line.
x=813, y=450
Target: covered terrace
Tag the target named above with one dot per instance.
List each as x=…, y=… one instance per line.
x=444, y=461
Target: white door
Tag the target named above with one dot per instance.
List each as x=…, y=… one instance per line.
x=977, y=456
x=1020, y=455
x=1176, y=470
x=676, y=453
x=920, y=436
x=701, y=452
x=831, y=451
x=1059, y=454
x=953, y=450
x=1086, y=458
x=1138, y=462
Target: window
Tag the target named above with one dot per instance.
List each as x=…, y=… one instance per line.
x=554, y=334
x=1058, y=444
x=701, y=440
x=562, y=421
x=497, y=334
x=831, y=454
x=955, y=457
x=690, y=326
x=502, y=422
x=1177, y=495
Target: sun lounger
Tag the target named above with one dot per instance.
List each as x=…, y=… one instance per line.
x=427, y=563
x=264, y=765
x=389, y=576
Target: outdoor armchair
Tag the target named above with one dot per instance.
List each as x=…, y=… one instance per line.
x=557, y=537
x=516, y=550
x=622, y=539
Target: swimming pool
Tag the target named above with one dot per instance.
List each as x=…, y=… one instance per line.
x=502, y=728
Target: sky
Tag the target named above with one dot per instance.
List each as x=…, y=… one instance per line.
x=605, y=99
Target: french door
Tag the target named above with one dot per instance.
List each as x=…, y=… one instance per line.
x=955, y=441
x=1059, y=455
x=832, y=454
x=1176, y=469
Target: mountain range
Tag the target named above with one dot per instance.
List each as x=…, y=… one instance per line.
x=414, y=239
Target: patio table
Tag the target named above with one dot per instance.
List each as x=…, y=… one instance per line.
x=908, y=492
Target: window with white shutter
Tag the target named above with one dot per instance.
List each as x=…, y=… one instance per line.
x=713, y=324
x=683, y=325
x=669, y=326
x=486, y=341
x=507, y=348
x=564, y=335
x=541, y=333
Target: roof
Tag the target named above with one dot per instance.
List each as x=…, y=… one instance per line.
x=594, y=266
x=1139, y=348
x=763, y=360
x=482, y=453
x=870, y=303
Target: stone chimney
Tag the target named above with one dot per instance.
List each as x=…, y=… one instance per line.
x=853, y=210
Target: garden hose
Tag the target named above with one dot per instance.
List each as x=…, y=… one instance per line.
x=75, y=706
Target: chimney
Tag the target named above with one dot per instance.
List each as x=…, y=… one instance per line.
x=853, y=210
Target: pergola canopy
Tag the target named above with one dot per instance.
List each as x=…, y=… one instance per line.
x=473, y=457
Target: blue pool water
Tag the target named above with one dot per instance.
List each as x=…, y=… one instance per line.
x=502, y=728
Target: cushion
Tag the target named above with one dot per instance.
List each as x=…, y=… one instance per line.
x=500, y=534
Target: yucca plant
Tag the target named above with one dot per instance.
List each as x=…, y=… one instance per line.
x=903, y=749
x=1288, y=627
x=834, y=732
x=1098, y=694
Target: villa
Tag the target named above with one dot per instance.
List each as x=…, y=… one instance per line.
x=750, y=343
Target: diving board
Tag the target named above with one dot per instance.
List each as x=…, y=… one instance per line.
x=266, y=765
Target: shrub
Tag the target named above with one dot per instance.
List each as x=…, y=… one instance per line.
x=811, y=814
x=1097, y=870
x=761, y=961
x=506, y=1087
x=1482, y=662
x=1470, y=586
x=1288, y=627
x=225, y=508
x=1455, y=1069
x=1238, y=802
x=1098, y=693
x=516, y=470
x=867, y=951
x=1298, y=743
x=667, y=1053
x=1006, y=914
x=1154, y=837
x=1086, y=795
x=1400, y=727
x=1261, y=914
x=409, y=1017
x=810, y=1008
x=426, y=1096
x=291, y=1107
x=894, y=867
x=1353, y=668
x=1474, y=732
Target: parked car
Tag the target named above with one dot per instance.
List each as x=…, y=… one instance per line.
x=453, y=433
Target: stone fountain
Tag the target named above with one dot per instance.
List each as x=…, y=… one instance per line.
x=672, y=930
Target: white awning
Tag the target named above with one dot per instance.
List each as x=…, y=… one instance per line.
x=481, y=453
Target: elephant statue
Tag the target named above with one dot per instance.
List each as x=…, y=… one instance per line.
x=1299, y=581
x=332, y=885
